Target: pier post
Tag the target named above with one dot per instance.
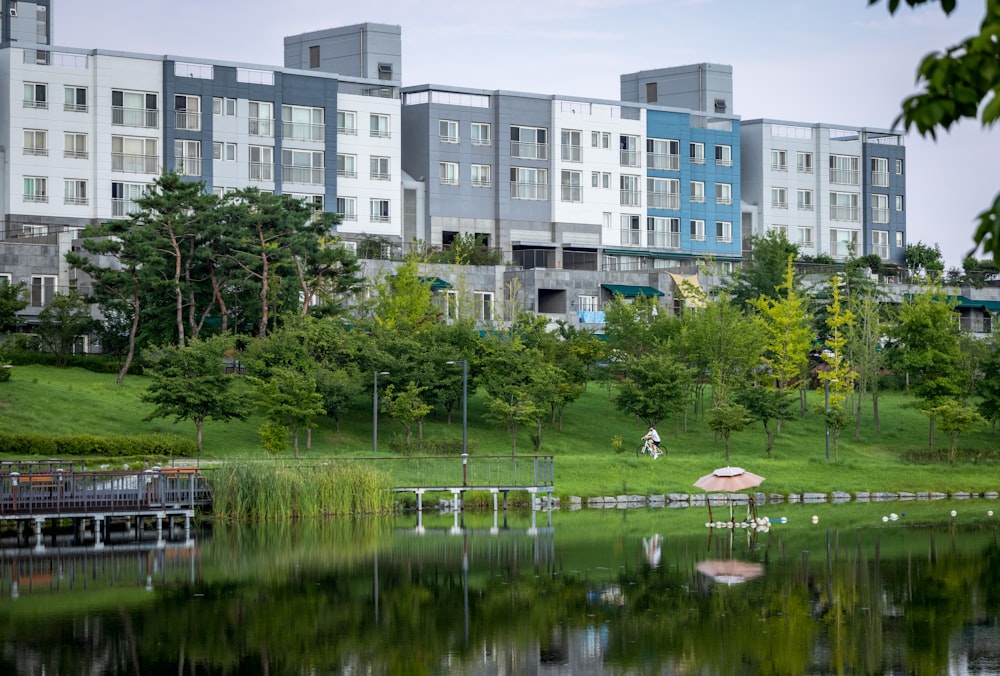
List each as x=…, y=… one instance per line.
x=420, y=500
x=39, y=541
x=99, y=532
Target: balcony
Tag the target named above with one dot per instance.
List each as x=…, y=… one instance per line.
x=302, y=131
x=380, y=132
x=31, y=103
x=187, y=166
x=529, y=151
x=260, y=126
x=844, y=213
x=881, y=250
x=663, y=161
x=135, y=164
x=630, y=198
x=135, y=117
x=571, y=153
x=529, y=191
x=385, y=176
x=76, y=154
x=75, y=201
x=184, y=119
x=572, y=193
x=39, y=152
x=75, y=107
x=347, y=173
x=723, y=200
x=347, y=131
x=723, y=161
x=665, y=240
x=880, y=179
x=779, y=204
x=663, y=200
x=261, y=171
x=123, y=207
x=307, y=175
x=629, y=158
x=36, y=197
x=880, y=215
x=845, y=177
x=481, y=183
x=630, y=237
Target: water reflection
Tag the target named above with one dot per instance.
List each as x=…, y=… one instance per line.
x=583, y=593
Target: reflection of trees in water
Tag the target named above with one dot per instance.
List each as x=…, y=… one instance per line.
x=864, y=605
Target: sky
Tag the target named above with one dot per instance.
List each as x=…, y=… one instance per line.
x=835, y=61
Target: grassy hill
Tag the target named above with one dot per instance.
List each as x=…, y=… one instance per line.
x=63, y=401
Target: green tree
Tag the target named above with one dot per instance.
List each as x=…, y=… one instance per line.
x=403, y=301
x=763, y=271
x=63, y=321
x=631, y=324
x=955, y=417
x=189, y=383
x=960, y=83
x=988, y=387
x=406, y=406
x=839, y=375
x=726, y=344
x=765, y=404
x=655, y=385
x=289, y=399
x=865, y=340
x=924, y=259
x=13, y=299
x=725, y=418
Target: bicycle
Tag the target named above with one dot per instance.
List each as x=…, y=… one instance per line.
x=647, y=447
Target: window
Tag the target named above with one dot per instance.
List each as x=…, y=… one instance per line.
x=224, y=151
x=124, y=196
x=223, y=106
x=845, y=169
x=805, y=236
x=651, y=94
x=481, y=134
x=261, y=163
x=805, y=200
x=630, y=233
x=378, y=125
x=600, y=139
x=663, y=154
x=255, y=76
x=448, y=172
x=899, y=202
x=587, y=303
x=899, y=167
x=448, y=131
x=481, y=176
x=779, y=160
x=880, y=209
x=628, y=145
x=529, y=183
x=880, y=243
x=187, y=112
x=134, y=154
x=75, y=145
x=629, y=187
x=451, y=308
x=804, y=162
x=43, y=290
x=314, y=56
x=134, y=109
x=844, y=206
x=697, y=230
x=723, y=193
x=880, y=172
x=260, y=117
x=570, y=144
x=572, y=191
x=379, y=167
x=347, y=207
x=697, y=191
x=843, y=243
x=187, y=157
x=779, y=198
x=303, y=123
x=302, y=166
x=347, y=165
x=782, y=229
x=724, y=156
x=35, y=95
x=663, y=193
x=723, y=232
x=379, y=210
x=697, y=152
x=600, y=179
x=347, y=122
x=74, y=191
x=36, y=189
x=899, y=240
x=529, y=143
x=75, y=99
x=484, y=305
x=664, y=233
x=35, y=142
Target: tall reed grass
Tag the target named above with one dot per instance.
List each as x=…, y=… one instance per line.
x=257, y=491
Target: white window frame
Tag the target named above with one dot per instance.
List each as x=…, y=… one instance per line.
x=260, y=118
x=537, y=148
x=697, y=229
x=187, y=157
x=75, y=191
x=631, y=235
x=630, y=194
x=303, y=123
x=187, y=112
x=663, y=193
x=123, y=197
x=484, y=305
x=379, y=168
x=804, y=162
x=36, y=95
x=379, y=210
x=899, y=240
x=347, y=207
x=347, y=122
x=841, y=248
x=378, y=126
x=779, y=197
x=261, y=163
x=347, y=165
x=43, y=289
x=600, y=139
x=529, y=183
x=805, y=236
x=587, y=303
x=136, y=109
x=899, y=202
x=36, y=142
x=850, y=211
x=783, y=229
x=71, y=99
x=723, y=155
x=804, y=199
x=481, y=175
x=899, y=167
x=448, y=131
x=696, y=152
x=448, y=171
x=75, y=145
x=880, y=244
x=570, y=187
x=125, y=159
x=779, y=160
x=724, y=232
x=303, y=166
x=880, y=208
x=224, y=106
x=481, y=134
x=628, y=149
x=36, y=189
x=697, y=192
x=663, y=154
x=723, y=193
x=845, y=169
x=223, y=151
x=880, y=172
x=569, y=145
x=663, y=232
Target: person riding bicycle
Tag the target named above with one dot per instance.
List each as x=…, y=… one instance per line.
x=653, y=436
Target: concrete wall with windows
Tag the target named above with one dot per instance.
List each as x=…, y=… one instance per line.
x=367, y=50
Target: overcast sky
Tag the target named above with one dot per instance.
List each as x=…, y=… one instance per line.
x=834, y=61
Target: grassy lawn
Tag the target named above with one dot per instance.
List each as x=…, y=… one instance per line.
x=64, y=401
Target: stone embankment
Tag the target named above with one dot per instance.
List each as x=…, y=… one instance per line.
x=716, y=499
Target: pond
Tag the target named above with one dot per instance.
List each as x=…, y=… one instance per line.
x=568, y=592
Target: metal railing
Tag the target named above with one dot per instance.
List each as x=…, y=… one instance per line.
x=135, y=117
x=184, y=119
x=471, y=472
x=136, y=164
x=310, y=175
x=529, y=151
x=663, y=161
x=664, y=200
x=303, y=131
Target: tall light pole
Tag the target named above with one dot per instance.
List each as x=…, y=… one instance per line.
x=375, y=411
x=465, y=415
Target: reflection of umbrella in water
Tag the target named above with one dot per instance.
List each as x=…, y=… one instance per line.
x=728, y=480
x=730, y=572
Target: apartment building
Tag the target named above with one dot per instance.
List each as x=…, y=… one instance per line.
x=832, y=190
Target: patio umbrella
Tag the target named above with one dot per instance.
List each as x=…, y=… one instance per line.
x=728, y=480
x=730, y=572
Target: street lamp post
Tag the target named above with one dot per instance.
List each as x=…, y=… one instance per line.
x=465, y=416
x=375, y=411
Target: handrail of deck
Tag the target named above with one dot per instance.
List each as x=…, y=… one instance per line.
x=473, y=472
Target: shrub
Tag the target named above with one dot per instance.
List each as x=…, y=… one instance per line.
x=90, y=445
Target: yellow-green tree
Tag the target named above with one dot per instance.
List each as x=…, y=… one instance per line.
x=840, y=374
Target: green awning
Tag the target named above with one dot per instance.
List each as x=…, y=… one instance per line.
x=437, y=284
x=991, y=305
x=631, y=291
